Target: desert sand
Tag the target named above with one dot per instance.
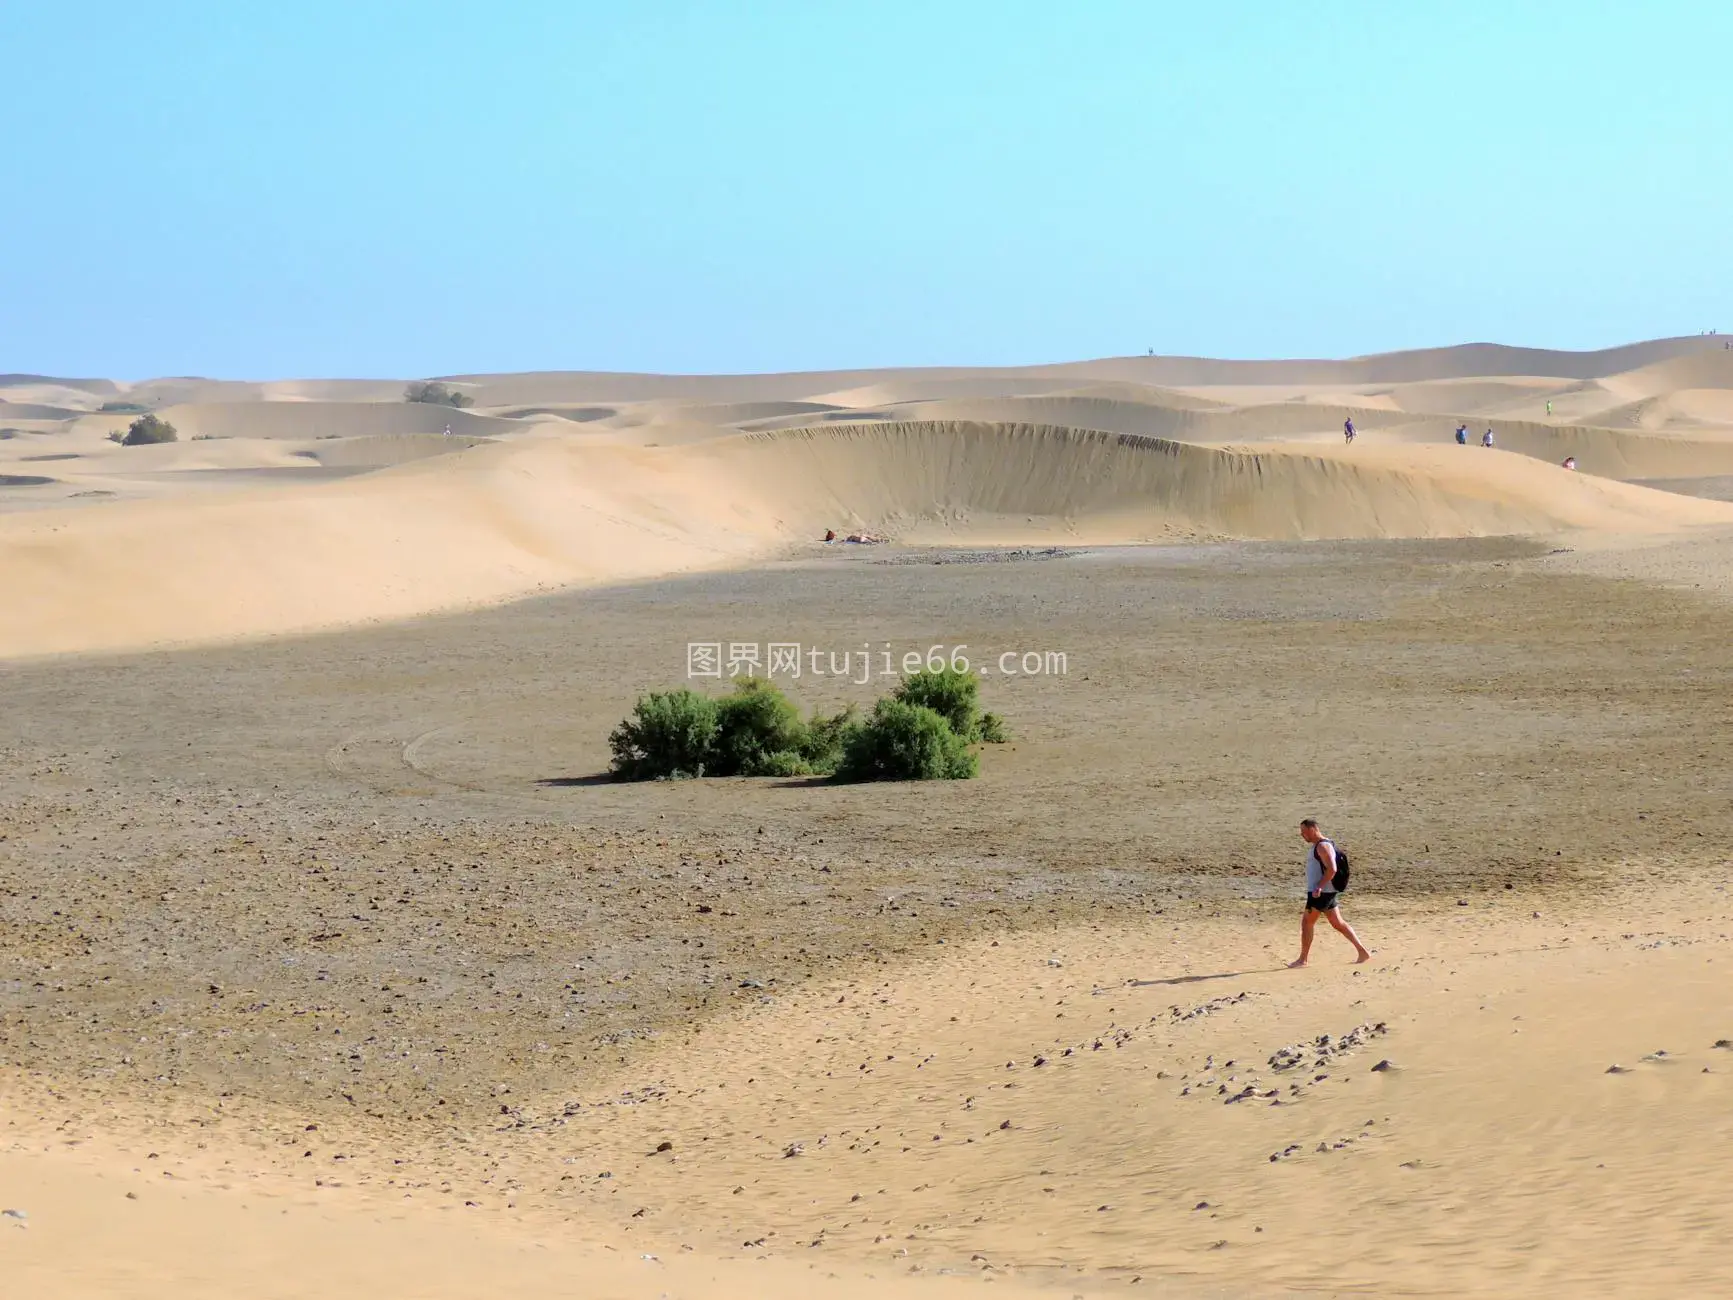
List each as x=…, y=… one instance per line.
x=331, y=966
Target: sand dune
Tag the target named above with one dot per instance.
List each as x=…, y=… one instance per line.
x=309, y=420
x=1466, y=361
x=13, y=411
x=1706, y=368
x=495, y=522
x=1189, y=424
x=604, y=477
x=1119, y=487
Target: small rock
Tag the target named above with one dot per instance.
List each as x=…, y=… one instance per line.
x=1382, y=1067
x=1617, y=1069
x=664, y=1146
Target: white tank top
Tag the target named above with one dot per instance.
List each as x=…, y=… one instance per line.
x=1314, y=868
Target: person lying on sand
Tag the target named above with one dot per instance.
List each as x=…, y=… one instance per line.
x=1321, y=894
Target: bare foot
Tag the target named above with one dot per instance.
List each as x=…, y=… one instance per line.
x=1363, y=957
x=1295, y=965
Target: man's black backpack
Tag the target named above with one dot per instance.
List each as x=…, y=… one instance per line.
x=1339, y=881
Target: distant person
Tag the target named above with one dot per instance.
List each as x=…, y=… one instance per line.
x=1321, y=894
x=1486, y=438
x=1348, y=430
x=1549, y=408
x=1570, y=462
x=1462, y=435
x=830, y=534
x=448, y=431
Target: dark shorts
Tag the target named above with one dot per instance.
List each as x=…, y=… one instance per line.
x=1321, y=902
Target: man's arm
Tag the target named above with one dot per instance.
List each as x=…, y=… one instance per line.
x=1326, y=852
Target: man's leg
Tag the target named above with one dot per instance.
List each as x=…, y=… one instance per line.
x=1347, y=932
x=1308, y=922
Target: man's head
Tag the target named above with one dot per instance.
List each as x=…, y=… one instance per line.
x=1309, y=831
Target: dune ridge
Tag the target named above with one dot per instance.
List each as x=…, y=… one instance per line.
x=498, y=521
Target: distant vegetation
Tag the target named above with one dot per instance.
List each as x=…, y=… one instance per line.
x=435, y=394
x=116, y=408
x=144, y=430
x=925, y=730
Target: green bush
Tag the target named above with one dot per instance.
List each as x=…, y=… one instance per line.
x=953, y=694
x=437, y=394
x=668, y=736
x=757, y=728
x=924, y=732
x=148, y=429
x=905, y=742
x=114, y=408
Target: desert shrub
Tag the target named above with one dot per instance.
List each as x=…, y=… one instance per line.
x=148, y=429
x=115, y=408
x=758, y=731
x=437, y=394
x=117, y=435
x=669, y=735
x=905, y=742
x=953, y=694
x=826, y=738
x=755, y=725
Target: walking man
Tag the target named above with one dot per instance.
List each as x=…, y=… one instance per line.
x=1462, y=435
x=1348, y=430
x=1321, y=894
x=1486, y=438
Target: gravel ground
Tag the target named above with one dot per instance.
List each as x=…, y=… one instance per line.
x=378, y=870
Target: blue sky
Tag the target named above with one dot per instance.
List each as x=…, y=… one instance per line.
x=367, y=188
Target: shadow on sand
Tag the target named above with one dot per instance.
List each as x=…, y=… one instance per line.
x=1199, y=979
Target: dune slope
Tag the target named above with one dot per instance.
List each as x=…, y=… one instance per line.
x=495, y=522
